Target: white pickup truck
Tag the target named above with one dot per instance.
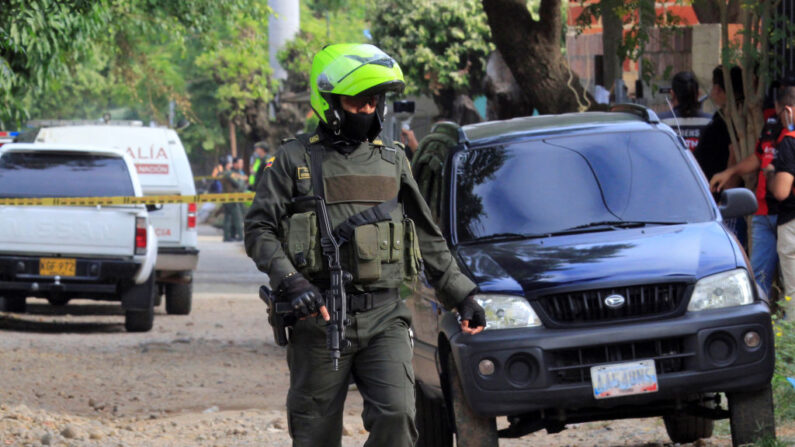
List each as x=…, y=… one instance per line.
x=62, y=252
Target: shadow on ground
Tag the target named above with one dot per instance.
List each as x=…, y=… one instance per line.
x=57, y=319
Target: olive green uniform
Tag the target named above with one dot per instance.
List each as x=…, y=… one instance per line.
x=233, y=212
x=379, y=256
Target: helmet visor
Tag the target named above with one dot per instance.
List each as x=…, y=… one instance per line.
x=352, y=74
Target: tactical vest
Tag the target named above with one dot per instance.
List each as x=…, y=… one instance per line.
x=380, y=254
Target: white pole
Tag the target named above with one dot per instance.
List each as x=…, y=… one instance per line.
x=283, y=25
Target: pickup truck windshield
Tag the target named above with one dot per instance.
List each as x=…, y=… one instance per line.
x=555, y=185
x=63, y=174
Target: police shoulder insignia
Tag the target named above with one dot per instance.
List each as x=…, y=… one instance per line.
x=314, y=138
x=269, y=163
x=303, y=173
x=378, y=142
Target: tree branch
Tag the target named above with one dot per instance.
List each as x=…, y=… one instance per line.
x=549, y=11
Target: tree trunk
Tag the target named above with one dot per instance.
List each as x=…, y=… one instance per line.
x=612, y=34
x=532, y=50
x=708, y=11
x=505, y=97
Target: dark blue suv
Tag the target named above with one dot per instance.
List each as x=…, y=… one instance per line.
x=611, y=287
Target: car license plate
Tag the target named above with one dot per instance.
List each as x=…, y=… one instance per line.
x=624, y=379
x=57, y=266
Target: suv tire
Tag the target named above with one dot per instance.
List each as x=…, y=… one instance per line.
x=13, y=303
x=139, y=320
x=684, y=428
x=178, y=298
x=471, y=429
x=432, y=425
x=751, y=416
x=57, y=301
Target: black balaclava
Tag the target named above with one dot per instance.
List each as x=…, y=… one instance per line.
x=356, y=126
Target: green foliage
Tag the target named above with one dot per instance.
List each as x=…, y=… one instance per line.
x=238, y=63
x=83, y=58
x=40, y=40
x=297, y=56
x=783, y=392
x=441, y=45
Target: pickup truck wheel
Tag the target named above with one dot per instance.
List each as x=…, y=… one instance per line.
x=471, y=430
x=178, y=298
x=13, y=303
x=685, y=428
x=751, y=416
x=159, y=291
x=139, y=320
x=57, y=301
x=432, y=425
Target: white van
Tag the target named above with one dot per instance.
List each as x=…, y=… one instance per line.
x=163, y=169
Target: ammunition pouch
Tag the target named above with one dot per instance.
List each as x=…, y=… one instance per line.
x=302, y=242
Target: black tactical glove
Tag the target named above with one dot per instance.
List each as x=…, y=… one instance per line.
x=470, y=310
x=304, y=298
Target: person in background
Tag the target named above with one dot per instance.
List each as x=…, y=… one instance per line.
x=685, y=116
x=239, y=165
x=216, y=186
x=780, y=177
x=764, y=257
x=233, y=181
x=713, y=151
x=262, y=159
x=408, y=138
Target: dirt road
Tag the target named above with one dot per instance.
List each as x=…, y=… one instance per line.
x=71, y=376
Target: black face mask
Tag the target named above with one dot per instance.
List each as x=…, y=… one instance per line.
x=356, y=126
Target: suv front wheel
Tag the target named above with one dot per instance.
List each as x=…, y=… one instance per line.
x=751, y=416
x=471, y=430
x=432, y=425
x=684, y=428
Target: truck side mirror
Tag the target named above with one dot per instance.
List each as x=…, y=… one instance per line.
x=737, y=202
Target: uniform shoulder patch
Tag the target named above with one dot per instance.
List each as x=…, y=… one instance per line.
x=314, y=139
x=269, y=162
x=302, y=173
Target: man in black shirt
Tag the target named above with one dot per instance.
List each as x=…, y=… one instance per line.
x=781, y=186
x=713, y=150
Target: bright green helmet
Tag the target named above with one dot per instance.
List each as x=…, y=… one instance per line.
x=351, y=69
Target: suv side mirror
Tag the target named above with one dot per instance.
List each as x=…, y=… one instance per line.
x=154, y=207
x=737, y=202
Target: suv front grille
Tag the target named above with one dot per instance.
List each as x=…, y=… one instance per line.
x=589, y=306
x=574, y=365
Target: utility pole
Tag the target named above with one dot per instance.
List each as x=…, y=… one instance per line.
x=283, y=25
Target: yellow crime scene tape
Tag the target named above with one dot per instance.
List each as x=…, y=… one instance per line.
x=127, y=200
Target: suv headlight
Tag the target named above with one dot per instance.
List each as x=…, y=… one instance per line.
x=727, y=289
x=507, y=311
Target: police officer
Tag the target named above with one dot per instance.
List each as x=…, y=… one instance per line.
x=348, y=87
x=262, y=160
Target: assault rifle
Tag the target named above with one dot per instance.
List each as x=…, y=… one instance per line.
x=335, y=297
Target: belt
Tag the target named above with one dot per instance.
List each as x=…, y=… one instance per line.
x=362, y=302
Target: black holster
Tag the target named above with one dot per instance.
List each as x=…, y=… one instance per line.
x=280, y=315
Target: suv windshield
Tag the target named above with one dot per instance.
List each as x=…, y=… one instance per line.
x=548, y=186
x=63, y=174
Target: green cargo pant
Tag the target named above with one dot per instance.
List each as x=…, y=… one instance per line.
x=379, y=360
x=233, y=221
